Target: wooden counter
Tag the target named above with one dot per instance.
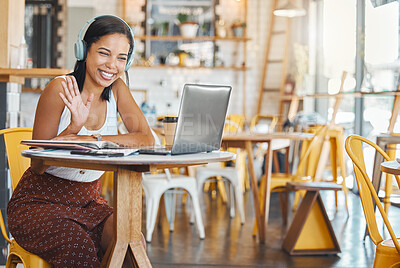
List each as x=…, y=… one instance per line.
x=19, y=75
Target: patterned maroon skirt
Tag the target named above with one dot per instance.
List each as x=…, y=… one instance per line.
x=59, y=220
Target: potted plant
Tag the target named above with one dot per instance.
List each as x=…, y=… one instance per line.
x=182, y=55
x=238, y=28
x=187, y=27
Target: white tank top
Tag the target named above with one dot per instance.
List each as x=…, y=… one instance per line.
x=109, y=128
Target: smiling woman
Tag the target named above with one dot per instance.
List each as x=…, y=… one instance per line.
x=72, y=224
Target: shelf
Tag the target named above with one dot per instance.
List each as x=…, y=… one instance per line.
x=19, y=75
x=354, y=94
x=31, y=90
x=176, y=3
x=197, y=38
x=160, y=66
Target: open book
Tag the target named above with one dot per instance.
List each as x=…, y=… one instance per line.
x=71, y=145
x=95, y=148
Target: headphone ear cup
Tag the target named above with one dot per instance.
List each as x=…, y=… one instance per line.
x=129, y=62
x=80, y=50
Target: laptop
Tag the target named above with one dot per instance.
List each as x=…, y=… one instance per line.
x=201, y=120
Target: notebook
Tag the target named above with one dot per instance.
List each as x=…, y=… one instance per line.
x=201, y=120
x=71, y=145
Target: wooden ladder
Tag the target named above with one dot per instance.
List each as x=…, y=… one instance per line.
x=271, y=61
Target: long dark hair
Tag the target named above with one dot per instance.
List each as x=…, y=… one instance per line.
x=101, y=26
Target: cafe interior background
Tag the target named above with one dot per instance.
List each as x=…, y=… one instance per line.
x=307, y=56
x=322, y=44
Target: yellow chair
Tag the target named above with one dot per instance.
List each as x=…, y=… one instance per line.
x=265, y=123
x=107, y=184
x=272, y=121
x=387, y=251
x=334, y=136
x=305, y=172
x=17, y=166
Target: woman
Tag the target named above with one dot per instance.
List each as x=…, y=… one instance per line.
x=57, y=213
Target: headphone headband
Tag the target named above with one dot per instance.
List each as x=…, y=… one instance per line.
x=80, y=47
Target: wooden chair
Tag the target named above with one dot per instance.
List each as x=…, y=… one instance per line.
x=17, y=166
x=387, y=251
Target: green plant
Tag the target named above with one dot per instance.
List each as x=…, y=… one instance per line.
x=238, y=23
x=185, y=18
x=181, y=51
x=182, y=17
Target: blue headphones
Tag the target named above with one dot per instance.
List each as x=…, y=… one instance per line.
x=80, y=45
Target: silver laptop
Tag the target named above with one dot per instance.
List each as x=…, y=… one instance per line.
x=201, y=120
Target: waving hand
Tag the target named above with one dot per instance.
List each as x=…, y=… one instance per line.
x=73, y=100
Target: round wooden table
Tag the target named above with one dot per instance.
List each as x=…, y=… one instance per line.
x=391, y=167
x=127, y=202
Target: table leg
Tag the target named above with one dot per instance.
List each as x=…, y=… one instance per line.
x=261, y=206
x=254, y=189
x=311, y=232
x=127, y=219
x=376, y=172
x=267, y=186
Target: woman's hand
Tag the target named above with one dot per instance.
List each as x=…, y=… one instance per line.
x=73, y=100
x=72, y=137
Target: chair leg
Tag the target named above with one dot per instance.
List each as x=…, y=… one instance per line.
x=283, y=198
x=297, y=195
x=231, y=201
x=201, y=182
x=287, y=152
x=197, y=212
x=170, y=207
x=242, y=170
x=276, y=161
x=343, y=171
x=334, y=156
x=261, y=197
x=239, y=201
x=221, y=189
x=151, y=215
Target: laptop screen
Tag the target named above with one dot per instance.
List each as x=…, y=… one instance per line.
x=201, y=118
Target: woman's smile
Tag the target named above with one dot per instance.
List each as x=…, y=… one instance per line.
x=107, y=75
